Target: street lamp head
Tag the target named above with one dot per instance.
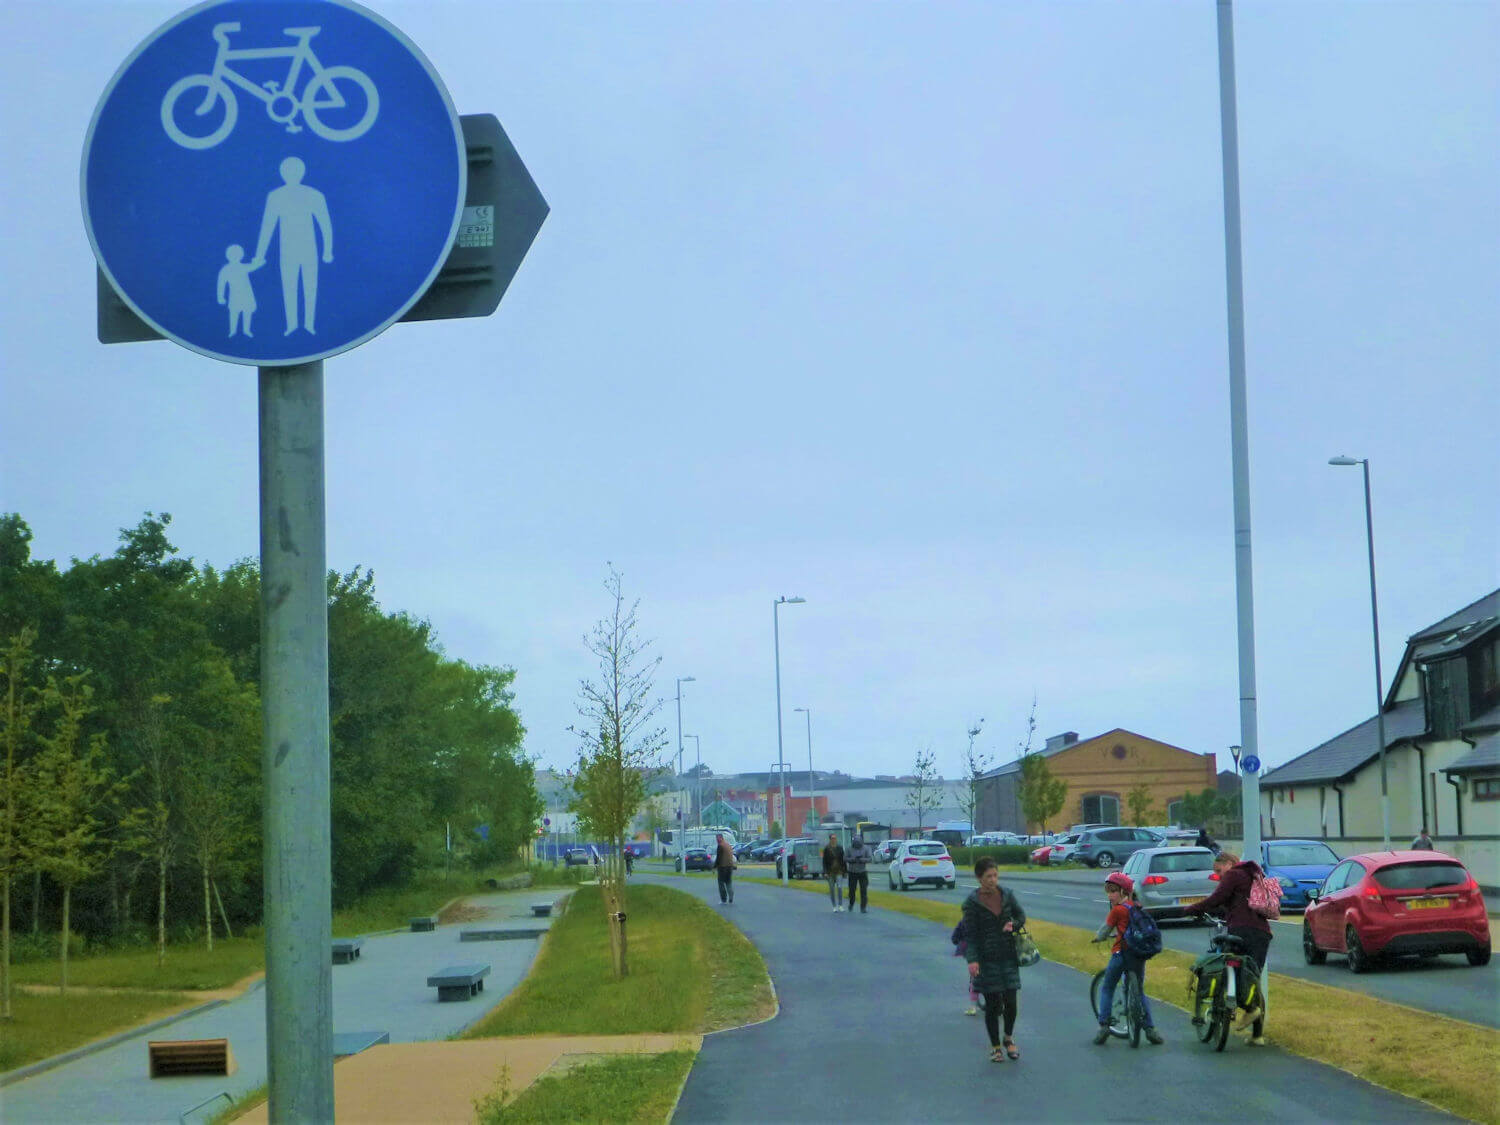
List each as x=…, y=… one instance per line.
x=687, y=680
x=795, y=709
x=1346, y=460
x=791, y=601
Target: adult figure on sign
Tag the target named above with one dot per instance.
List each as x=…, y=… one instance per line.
x=297, y=214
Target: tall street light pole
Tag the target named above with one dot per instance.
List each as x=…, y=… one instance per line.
x=697, y=776
x=780, y=756
x=812, y=792
x=1385, y=796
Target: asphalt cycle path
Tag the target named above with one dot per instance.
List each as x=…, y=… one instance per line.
x=871, y=1029
x=1447, y=985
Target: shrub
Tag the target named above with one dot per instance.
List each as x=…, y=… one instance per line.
x=1003, y=854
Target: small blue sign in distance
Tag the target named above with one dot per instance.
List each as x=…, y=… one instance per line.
x=272, y=182
x=1250, y=764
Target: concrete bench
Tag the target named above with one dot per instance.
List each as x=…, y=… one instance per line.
x=424, y=924
x=502, y=933
x=459, y=982
x=169, y=1058
x=346, y=1043
x=346, y=949
x=542, y=909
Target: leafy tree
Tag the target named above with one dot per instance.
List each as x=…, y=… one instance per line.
x=1042, y=795
x=774, y=831
x=1198, y=809
x=1142, y=809
x=619, y=744
x=925, y=793
x=20, y=707
x=71, y=786
x=975, y=765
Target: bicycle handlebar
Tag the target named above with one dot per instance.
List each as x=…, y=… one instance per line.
x=222, y=31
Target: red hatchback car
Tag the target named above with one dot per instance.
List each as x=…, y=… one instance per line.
x=1392, y=903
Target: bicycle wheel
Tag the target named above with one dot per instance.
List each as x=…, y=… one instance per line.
x=1223, y=1016
x=1208, y=1010
x=1117, y=1023
x=1134, y=1017
x=214, y=94
x=338, y=92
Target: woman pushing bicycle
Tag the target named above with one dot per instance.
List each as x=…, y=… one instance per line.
x=1120, y=891
x=1232, y=900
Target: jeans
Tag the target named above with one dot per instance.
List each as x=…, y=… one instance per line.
x=1118, y=963
x=835, y=890
x=726, y=884
x=859, y=880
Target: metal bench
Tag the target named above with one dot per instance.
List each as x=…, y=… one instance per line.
x=424, y=924
x=542, y=909
x=169, y=1058
x=346, y=949
x=459, y=982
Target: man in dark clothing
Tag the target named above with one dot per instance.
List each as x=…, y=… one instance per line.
x=724, y=866
x=856, y=860
x=1204, y=840
x=833, y=871
x=1423, y=842
x=1232, y=900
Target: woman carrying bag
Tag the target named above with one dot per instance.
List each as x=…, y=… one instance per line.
x=992, y=917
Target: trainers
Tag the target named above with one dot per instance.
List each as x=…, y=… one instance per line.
x=971, y=1010
x=1245, y=1019
x=1154, y=1037
x=1101, y=1037
x=1259, y=1041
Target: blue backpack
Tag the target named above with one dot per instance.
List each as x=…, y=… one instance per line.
x=1142, y=937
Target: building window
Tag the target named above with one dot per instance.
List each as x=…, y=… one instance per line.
x=1487, y=789
x=1101, y=808
x=1174, y=812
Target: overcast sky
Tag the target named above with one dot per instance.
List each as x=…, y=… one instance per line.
x=915, y=310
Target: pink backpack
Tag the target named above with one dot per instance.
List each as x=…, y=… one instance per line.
x=1265, y=897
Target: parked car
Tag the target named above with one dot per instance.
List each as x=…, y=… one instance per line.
x=1300, y=866
x=886, y=849
x=743, y=850
x=921, y=861
x=1392, y=903
x=1105, y=847
x=761, y=853
x=805, y=857
x=1169, y=879
x=995, y=840
x=695, y=859
x=1059, y=851
x=575, y=856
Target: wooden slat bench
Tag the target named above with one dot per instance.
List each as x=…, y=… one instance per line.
x=459, y=982
x=171, y=1057
x=424, y=924
x=346, y=949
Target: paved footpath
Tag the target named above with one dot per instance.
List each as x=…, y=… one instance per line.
x=384, y=990
x=871, y=1029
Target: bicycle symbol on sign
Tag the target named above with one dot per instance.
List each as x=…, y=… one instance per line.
x=328, y=90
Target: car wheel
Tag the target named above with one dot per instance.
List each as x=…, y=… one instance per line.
x=1478, y=956
x=901, y=882
x=892, y=880
x=952, y=883
x=1356, y=957
x=1310, y=951
x=1106, y=859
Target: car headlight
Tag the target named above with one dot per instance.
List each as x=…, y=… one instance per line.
x=1286, y=884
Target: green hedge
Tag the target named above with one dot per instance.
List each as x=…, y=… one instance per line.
x=1003, y=854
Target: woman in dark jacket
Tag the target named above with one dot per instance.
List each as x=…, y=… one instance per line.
x=991, y=917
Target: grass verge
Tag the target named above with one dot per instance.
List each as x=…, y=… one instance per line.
x=47, y=1023
x=690, y=970
x=1446, y=1062
x=186, y=967
x=620, y=1089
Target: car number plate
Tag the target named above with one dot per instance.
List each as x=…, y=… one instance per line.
x=929, y=863
x=1190, y=901
x=1425, y=903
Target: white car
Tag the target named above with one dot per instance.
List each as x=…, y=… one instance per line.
x=921, y=861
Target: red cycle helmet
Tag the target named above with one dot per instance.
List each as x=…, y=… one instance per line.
x=1119, y=879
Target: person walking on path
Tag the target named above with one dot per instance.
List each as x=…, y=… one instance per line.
x=856, y=862
x=724, y=865
x=833, y=871
x=1423, y=842
x=1119, y=889
x=1232, y=899
x=991, y=917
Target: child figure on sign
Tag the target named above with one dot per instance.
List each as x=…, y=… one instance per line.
x=235, y=289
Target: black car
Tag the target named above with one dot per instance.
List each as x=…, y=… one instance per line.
x=695, y=859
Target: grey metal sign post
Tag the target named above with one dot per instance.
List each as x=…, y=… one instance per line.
x=235, y=219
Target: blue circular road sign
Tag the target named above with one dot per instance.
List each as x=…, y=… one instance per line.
x=273, y=183
x=1250, y=763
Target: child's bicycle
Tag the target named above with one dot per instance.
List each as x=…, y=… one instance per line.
x=1212, y=983
x=1126, y=1018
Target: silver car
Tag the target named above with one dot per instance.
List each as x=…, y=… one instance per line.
x=1168, y=880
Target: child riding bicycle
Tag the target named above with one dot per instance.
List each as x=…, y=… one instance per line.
x=1120, y=890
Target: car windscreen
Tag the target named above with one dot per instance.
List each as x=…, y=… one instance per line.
x=1183, y=860
x=1421, y=876
x=1300, y=855
x=926, y=849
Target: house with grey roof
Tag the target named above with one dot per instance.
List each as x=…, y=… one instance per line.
x=1442, y=753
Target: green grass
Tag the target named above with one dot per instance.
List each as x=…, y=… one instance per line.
x=47, y=1024
x=186, y=968
x=690, y=971
x=620, y=1089
x=1447, y=1062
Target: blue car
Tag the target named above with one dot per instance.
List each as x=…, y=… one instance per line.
x=1299, y=866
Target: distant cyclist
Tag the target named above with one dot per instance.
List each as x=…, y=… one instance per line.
x=1119, y=889
x=1232, y=900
